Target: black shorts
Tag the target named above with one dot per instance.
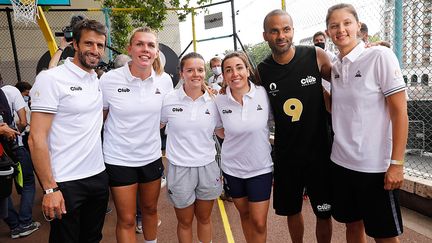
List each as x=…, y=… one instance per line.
x=289, y=184
x=361, y=196
x=256, y=189
x=125, y=175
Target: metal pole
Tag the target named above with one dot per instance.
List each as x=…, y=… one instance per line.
x=106, y=13
x=14, y=49
x=193, y=31
x=234, y=25
x=398, y=31
x=283, y=5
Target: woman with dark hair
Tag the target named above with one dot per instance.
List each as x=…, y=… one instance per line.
x=247, y=166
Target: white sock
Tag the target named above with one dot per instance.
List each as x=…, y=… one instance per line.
x=150, y=241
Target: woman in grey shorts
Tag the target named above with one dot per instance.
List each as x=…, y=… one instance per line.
x=193, y=179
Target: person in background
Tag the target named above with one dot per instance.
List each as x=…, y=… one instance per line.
x=194, y=179
x=364, y=36
x=24, y=88
x=292, y=77
x=132, y=99
x=65, y=140
x=216, y=80
x=319, y=40
x=370, y=121
x=65, y=46
x=21, y=222
x=247, y=167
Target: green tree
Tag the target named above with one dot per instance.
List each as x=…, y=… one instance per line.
x=258, y=52
x=151, y=13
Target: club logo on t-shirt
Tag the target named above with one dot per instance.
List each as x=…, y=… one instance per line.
x=259, y=108
x=358, y=74
x=207, y=112
x=157, y=91
x=309, y=80
x=175, y=109
x=226, y=111
x=123, y=90
x=273, y=89
x=76, y=88
x=336, y=76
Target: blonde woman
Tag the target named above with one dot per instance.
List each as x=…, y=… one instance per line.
x=132, y=97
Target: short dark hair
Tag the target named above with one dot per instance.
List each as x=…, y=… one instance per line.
x=23, y=86
x=364, y=28
x=318, y=34
x=275, y=12
x=76, y=19
x=88, y=24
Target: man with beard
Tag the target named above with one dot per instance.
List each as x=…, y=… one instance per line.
x=65, y=140
x=292, y=78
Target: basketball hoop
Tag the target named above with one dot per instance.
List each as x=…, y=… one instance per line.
x=25, y=11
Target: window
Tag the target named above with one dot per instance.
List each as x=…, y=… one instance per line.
x=425, y=80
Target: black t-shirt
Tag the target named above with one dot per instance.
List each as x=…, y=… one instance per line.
x=296, y=97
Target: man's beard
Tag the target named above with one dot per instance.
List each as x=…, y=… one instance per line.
x=82, y=60
x=279, y=51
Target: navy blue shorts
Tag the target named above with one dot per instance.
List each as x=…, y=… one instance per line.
x=125, y=175
x=256, y=189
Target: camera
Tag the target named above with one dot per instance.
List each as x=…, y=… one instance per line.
x=67, y=32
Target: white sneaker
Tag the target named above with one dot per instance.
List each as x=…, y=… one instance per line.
x=163, y=182
x=138, y=228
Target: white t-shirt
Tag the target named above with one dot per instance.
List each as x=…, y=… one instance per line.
x=16, y=102
x=361, y=81
x=131, y=130
x=246, y=148
x=191, y=125
x=74, y=142
x=215, y=79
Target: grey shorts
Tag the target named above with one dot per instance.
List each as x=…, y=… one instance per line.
x=186, y=184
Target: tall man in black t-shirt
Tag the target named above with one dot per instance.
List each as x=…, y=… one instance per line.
x=292, y=77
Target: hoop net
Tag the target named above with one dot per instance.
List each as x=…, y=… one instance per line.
x=25, y=11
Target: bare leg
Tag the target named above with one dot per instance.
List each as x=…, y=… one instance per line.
x=242, y=205
x=355, y=232
x=258, y=217
x=203, y=209
x=323, y=230
x=184, y=225
x=149, y=195
x=296, y=227
x=124, y=199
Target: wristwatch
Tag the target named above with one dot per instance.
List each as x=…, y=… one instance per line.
x=397, y=162
x=51, y=190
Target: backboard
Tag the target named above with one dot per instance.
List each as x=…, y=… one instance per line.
x=43, y=2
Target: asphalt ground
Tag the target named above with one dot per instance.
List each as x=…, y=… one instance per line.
x=226, y=225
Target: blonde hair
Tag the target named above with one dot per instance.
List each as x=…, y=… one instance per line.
x=157, y=64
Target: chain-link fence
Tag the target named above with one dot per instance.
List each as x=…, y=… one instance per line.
x=406, y=25
x=24, y=52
